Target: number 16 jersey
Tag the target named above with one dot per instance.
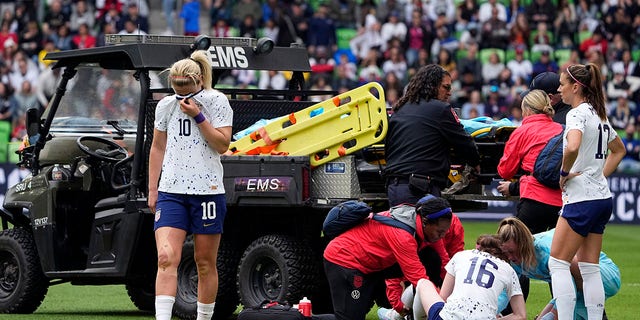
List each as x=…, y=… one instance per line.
x=479, y=280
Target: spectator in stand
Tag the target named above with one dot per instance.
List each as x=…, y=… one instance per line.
x=369, y=69
x=617, y=47
x=54, y=18
x=342, y=12
x=272, y=80
x=519, y=86
x=494, y=31
x=445, y=60
x=587, y=15
x=6, y=33
x=419, y=36
x=25, y=12
x=623, y=112
x=574, y=58
x=25, y=99
x=444, y=40
x=391, y=81
x=393, y=28
x=292, y=25
x=30, y=40
x=474, y=104
x=322, y=31
x=486, y=11
x=622, y=87
x=618, y=21
x=244, y=7
x=190, y=13
x=385, y=8
x=631, y=161
x=396, y=64
x=248, y=28
x=423, y=60
x=84, y=39
x=496, y=106
x=598, y=58
x=46, y=86
x=23, y=72
x=566, y=22
x=540, y=39
x=107, y=28
x=62, y=39
x=131, y=29
x=520, y=32
x=492, y=68
x=271, y=30
x=133, y=15
x=545, y=64
x=443, y=11
x=514, y=9
x=221, y=9
x=466, y=13
x=112, y=16
x=597, y=42
x=504, y=84
x=520, y=68
x=220, y=29
x=320, y=83
x=541, y=11
x=469, y=36
x=367, y=39
x=82, y=13
x=346, y=67
x=321, y=61
x=8, y=104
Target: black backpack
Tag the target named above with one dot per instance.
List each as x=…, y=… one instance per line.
x=549, y=161
x=349, y=214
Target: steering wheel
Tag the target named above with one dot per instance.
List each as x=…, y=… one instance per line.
x=107, y=150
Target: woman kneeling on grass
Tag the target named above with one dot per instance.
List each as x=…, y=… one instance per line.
x=474, y=280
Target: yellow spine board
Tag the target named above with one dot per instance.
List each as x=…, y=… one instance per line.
x=339, y=126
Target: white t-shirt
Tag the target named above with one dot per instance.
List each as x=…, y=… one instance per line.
x=479, y=280
x=190, y=166
x=596, y=135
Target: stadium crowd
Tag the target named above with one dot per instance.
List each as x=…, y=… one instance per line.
x=491, y=48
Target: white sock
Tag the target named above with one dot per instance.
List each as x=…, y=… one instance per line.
x=592, y=289
x=563, y=288
x=164, y=306
x=205, y=310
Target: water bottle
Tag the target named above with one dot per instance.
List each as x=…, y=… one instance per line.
x=305, y=307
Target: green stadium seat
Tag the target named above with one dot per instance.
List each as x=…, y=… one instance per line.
x=344, y=35
x=534, y=33
x=461, y=54
x=583, y=35
x=510, y=54
x=484, y=54
x=5, y=134
x=635, y=55
x=11, y=152
x=562, y=55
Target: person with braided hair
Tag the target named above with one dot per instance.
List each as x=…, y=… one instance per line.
x=422, y=131
x=192, y=129
x=592, y=152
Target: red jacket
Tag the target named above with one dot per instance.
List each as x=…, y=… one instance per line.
x=373, y=246
x=521, y=150
x=446, y=247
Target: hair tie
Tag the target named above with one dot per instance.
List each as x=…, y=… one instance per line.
x=574, y=78
x=436, y=215
x=198, y=63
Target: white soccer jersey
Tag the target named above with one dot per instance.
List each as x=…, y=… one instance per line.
x=596, y=135
x=479, y=280
x=190, y=166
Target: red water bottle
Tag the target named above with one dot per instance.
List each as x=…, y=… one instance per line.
x=305, y=307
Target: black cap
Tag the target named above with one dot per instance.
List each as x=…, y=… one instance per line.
x=547, y=82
